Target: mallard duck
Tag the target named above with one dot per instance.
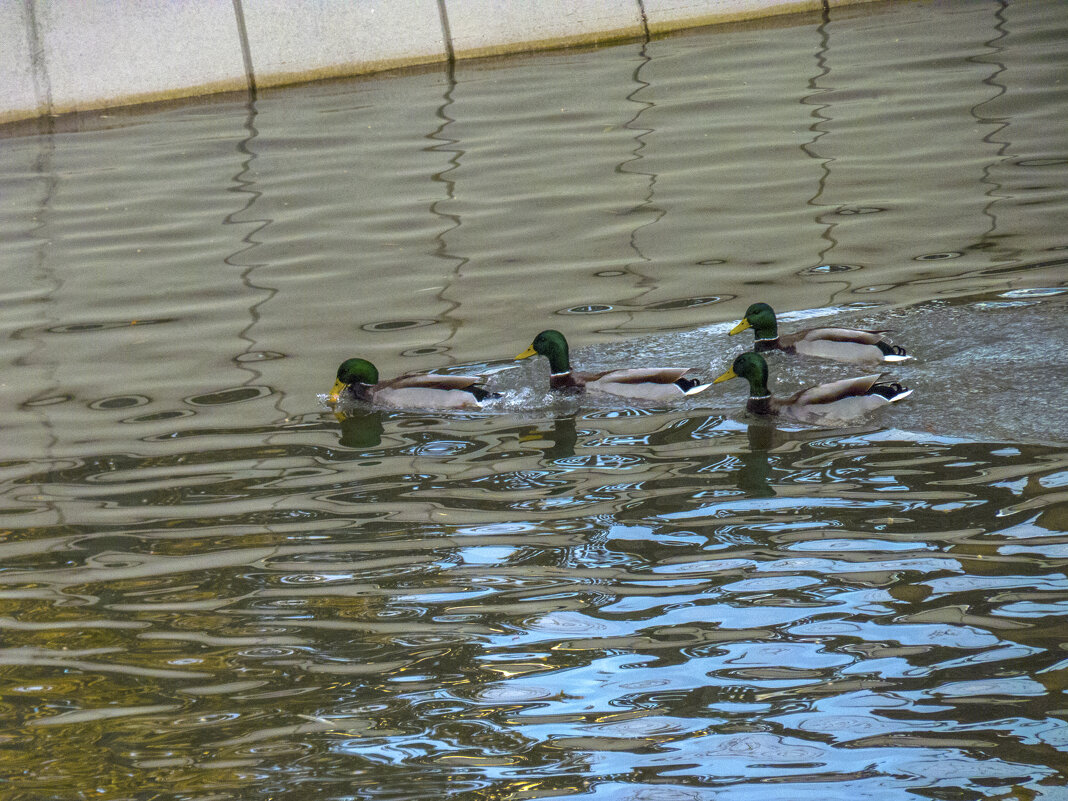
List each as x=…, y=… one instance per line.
x=647, y=384
x=837, y=401
x=840, y=344
x=414, y=390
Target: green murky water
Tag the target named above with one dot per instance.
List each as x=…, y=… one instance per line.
x=211, y=586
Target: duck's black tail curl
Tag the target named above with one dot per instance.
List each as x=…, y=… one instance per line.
x=481, y=393
x=890, y=350
x=891, y=390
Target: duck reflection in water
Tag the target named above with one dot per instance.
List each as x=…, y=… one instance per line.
x=767, y=440
x=562, y=437
x=360, y=429
x=754, y=474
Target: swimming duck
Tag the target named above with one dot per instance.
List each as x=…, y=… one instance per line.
x=414, y=390
x=647, y=384
x=824, y=403
x=840, y=344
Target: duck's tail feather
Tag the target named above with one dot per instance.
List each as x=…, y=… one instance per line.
x=892, y=353
x=690, y=386
x=891, y=390
x=481, y=393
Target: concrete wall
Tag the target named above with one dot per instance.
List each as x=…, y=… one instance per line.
x=60, y=56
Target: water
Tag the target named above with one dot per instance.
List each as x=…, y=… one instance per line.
x=211, y=586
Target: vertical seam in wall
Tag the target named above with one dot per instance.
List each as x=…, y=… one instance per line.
x=645, y=19
x=446, y=32
x=42, y=86
x=246, y=51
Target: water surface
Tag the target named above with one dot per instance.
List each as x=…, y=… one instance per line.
x=213, y=586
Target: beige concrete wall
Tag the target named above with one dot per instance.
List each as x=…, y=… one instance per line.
x=60, y=56
x=664, y=15
x=19, y=96
x=489, y=27
x=299, y=40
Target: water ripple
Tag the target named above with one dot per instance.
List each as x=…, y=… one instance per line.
x=214, y=583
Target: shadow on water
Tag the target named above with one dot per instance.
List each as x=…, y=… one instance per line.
x=244, y=186
x=449, y=220
x=205, y=596
x=646, y=211
x=820, y=128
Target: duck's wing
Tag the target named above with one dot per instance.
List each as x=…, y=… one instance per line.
x=864, y=336
x=829, y=393
x=422, y=391
x=844, y=345
x=430, y=381
x=651, y=384
x=644, y=375
x=843, y=401
x=855, y=335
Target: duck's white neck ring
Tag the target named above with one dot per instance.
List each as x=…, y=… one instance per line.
x=760, y=397
x=560, y=375
x=767, y=339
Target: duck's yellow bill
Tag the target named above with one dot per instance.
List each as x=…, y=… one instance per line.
x=336, y=390
x=726, y=376
x=527, y=353
x=744, y=324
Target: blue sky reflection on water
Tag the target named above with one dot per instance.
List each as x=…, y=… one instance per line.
x=211, y=585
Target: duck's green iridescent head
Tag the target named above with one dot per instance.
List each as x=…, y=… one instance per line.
x=752, y=367
x=761, y=317
x=353, y=371
x=553, y=346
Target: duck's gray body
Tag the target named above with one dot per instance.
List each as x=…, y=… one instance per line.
x=650, y=384
x=852, y=345
x=836, y=402
x=427, y=392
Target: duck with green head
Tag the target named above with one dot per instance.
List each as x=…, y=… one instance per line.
x=840, y=344
x=653, y=384
x=839, y=401
x=358, y=378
